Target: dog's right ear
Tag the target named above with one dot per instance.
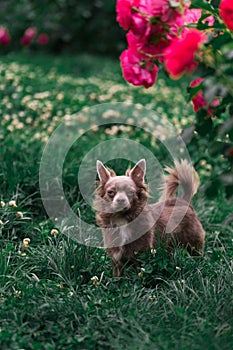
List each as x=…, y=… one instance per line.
x=103, y=173
x=138, y=171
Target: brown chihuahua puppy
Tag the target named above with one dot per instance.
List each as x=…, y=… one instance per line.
x=130, y=226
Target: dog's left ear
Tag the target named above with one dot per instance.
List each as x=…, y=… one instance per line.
x=103, y=173
x=138, y=172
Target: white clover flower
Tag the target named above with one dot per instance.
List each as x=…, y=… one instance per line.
x=60, y=96
x=12, y=204
x=19, y=214
x=54, y=232
x=25, y=243
x=21, y=254
x=26, y=240
x=141, y=273
x=2, y=204
x=17, y=293
x=153, y=251
x=95, y=280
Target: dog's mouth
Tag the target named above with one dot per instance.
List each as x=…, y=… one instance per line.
x=121, y=208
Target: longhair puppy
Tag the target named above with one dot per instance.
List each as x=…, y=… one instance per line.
x=130, y=226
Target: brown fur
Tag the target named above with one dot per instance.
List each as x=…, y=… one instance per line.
x=164, y=221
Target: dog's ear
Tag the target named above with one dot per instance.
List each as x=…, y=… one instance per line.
x=138, y=172
x=103, y=173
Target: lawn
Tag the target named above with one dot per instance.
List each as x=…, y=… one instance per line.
x=48, y=296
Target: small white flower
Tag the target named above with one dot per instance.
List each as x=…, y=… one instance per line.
x=2, y=204
x=153, y=251
x=19, y=214
x=54, y=232
x=140, y=274
x=25, y=243
x=26, y=240
x=22, y=254
x=12, y=204
x=17, y=293
x=95, y=280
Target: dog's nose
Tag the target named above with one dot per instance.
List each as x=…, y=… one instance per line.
x=120, y=200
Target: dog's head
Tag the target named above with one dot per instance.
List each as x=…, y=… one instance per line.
x=122, y=193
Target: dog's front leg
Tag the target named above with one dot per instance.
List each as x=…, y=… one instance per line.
x=117, y=268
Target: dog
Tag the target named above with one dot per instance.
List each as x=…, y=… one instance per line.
x=131, y=226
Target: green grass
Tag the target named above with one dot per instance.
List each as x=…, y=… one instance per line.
x=48, y=299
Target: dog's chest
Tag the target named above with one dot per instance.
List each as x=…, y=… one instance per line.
x=122, y=229
x=119, y=235
x=120, y=238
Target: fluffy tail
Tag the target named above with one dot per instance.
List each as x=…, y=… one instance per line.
x=182, y=174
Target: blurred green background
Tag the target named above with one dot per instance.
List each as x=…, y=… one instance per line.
x=76, y=26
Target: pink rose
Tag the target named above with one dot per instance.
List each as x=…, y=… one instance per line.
x=30, y=32
x=191, y=16
x=138, y=70
x=124, y=12
x=43, y=39
x=28, y=36
x=180, y=55
x=139, y=25
x=209, y=20
x=198, y=99
x=5, y=38
x=167, y=10
x=226, y=12
x=148, y=48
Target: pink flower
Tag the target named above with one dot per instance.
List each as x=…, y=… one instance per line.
x=158, y=41
x=124, y=12
x=226, y=12
x=30, y=32
x=5, y=38
x=180, y=55
x=191, y=16
x=167, y=10
x=132, y=14
x=198, y=99
x=28, y=36
x=139, y=25
x=137, y=69
x=196, y=82
x=155, y=40
x=43, y=39
x=25, y=41
x=209, y=20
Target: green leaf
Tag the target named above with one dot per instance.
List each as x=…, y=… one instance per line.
x=221, y=40
x=204, y=125
x=216, y=148
x=200, y=4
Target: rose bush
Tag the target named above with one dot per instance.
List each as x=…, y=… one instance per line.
x=195, y=38
x=5, y=38
x=74, y=26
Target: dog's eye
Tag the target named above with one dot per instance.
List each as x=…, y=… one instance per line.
x=111, y=193
x=130, y=193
